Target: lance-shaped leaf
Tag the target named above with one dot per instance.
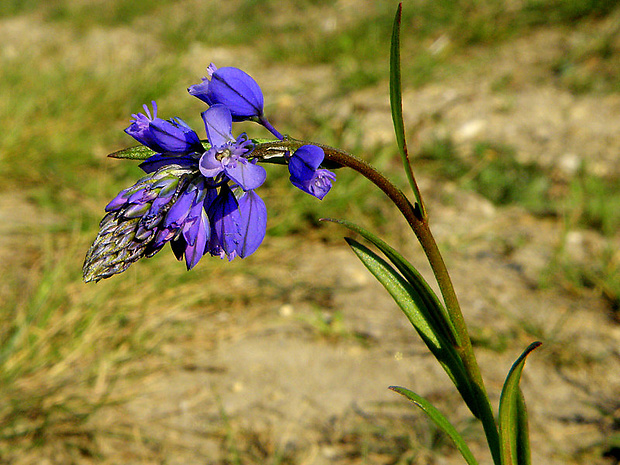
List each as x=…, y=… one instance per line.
x=513, y=433
x=436, y=310
x=415, y=309
x=139, y=152
x=441, y=421
x=142, y=152
x=396, y=103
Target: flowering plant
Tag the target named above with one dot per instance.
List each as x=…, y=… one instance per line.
x=200, y=196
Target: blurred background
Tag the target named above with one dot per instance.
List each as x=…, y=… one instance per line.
x=513, y=117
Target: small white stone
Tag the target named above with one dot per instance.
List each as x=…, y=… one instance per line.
x=286, y=310
x=569, y=163
x=470, y=129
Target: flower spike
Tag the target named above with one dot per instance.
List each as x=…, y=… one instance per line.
x=143, y=218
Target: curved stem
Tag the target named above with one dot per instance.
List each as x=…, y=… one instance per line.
x=270, y=127
x=420, y=227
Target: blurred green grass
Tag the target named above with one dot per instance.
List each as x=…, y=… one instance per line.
x=73, y=72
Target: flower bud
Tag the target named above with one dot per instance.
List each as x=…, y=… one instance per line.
x=233, y=88
x=305, y=173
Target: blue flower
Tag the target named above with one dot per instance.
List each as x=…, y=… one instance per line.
x=253, y=223
x=238, y=224
x=305, y=174
x=228, y=155
x=226, y=219
x=172, y=136
x=236, y=90
x=233, y=88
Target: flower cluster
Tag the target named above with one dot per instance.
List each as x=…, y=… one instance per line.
x=199, y=197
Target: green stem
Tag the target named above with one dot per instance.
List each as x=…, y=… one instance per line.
x=420, y=227
x=464, y=349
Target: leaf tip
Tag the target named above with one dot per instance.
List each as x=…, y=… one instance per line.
x=533, y=346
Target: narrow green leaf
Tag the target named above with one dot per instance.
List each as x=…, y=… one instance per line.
x=441, y=421
x=414, y=307
x=401, y=291
x=523, y=439
x=515, y=449
x=139, y=152
x=396, y=99
x=437, y=311
x=396, y=103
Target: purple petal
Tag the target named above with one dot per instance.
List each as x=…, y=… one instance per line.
x=157, y=205
x=253, y=223
x=211, y=69
x=190, y=229
x=155, y=162
x=318, y=186
x=210, y=197
x=322, y=183
x=148, y=113
x=225, y=218
x=142, y=196
x=201, y=91
x=305, y=157
x=179, y=211
x=305, y=174
x=238, y=91
x=118, y=201
x=174, y=137
x=163, y=236
x=193, y=253
x=300, y=172
x=139, y=127
x=218, y=123
x=248, y=175
x=210, y=166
